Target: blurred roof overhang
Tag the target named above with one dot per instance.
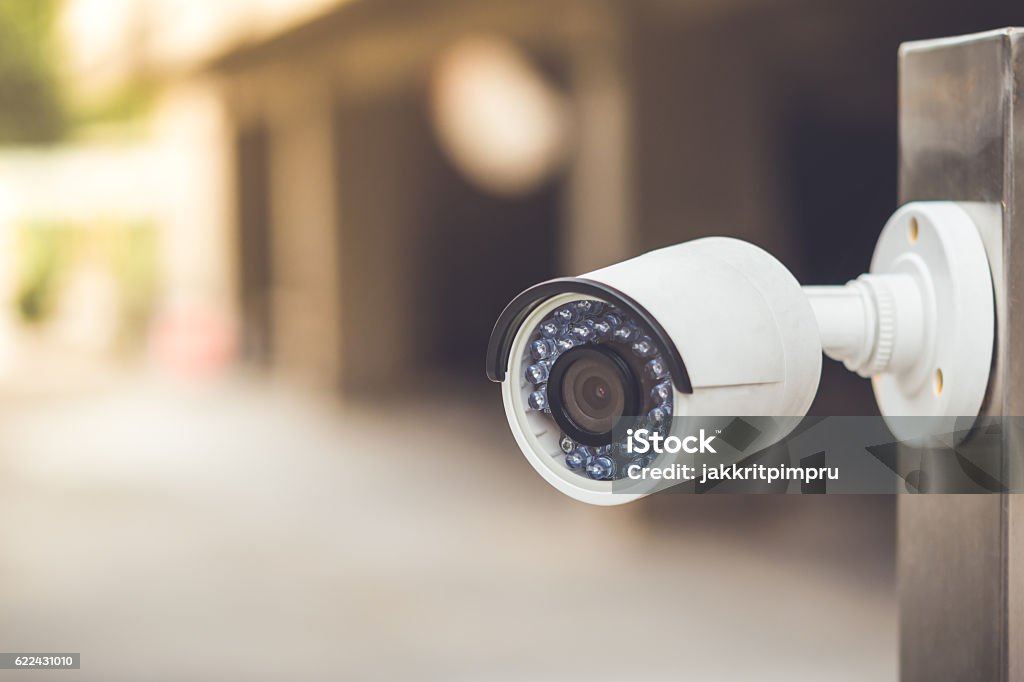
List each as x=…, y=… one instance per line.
x=357, y=18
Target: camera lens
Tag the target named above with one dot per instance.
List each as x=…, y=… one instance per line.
x=590, y=389
x=593, y=394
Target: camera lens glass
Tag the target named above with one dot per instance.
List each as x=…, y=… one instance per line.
x=593, y=367
x=594, y=389
x=590, y=388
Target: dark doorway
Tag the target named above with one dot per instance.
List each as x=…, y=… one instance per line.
x=428, y=260
x=479, y=250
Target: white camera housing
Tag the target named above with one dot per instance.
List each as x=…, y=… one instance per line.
x=741, y=338
x=739, y=331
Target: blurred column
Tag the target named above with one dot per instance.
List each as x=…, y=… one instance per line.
x=305, y=306
x=599, y=217
x=193, y=146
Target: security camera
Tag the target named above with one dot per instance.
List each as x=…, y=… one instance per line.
x=697, y=333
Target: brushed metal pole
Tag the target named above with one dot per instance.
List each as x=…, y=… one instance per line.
x=961, y=557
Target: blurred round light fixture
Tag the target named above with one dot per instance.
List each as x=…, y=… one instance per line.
x=499, y=120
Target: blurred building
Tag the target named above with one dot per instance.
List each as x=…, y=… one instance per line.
x=353, y=190
x=402, y=169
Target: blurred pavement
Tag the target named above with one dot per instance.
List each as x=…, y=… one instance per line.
x=241, y=530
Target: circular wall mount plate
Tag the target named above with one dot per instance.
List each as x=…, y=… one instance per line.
x=940, y=246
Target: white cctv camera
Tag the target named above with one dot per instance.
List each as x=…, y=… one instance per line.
x=716, y=328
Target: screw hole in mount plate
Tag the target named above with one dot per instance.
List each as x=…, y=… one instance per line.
x=938, y=381
x=913, y=230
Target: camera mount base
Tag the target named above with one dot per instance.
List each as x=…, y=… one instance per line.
x=921, y=324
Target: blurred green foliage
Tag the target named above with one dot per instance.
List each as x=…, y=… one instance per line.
x=128, y=102
x=47, y=253
x=31, y=110
x=42, y=255
x=132, y=254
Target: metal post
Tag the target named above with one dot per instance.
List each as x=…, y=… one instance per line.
x=961, y=558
